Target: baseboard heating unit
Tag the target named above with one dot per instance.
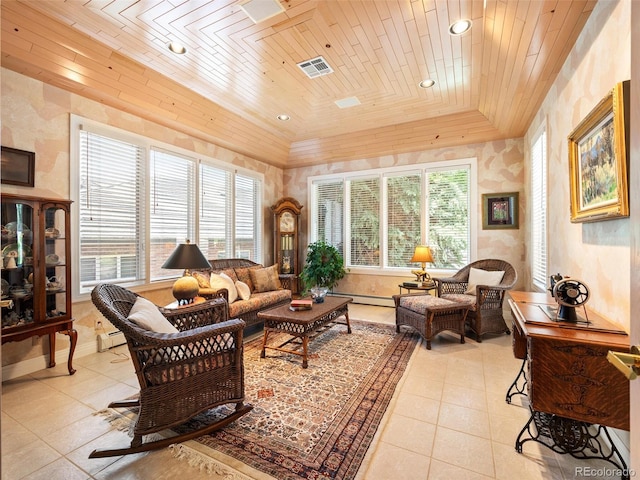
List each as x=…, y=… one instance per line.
x=110, y=340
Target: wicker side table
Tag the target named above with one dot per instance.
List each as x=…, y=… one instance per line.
x=430, y=315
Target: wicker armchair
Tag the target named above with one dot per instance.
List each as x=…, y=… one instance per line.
x=485, y=315
x=180, y=374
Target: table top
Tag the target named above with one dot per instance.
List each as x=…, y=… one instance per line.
x=418, y=287
x=530, y=310
x=317, y=311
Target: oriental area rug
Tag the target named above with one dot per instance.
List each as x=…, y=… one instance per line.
x=308, y=423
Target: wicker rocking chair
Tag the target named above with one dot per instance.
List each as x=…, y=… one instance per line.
x=180, y=374
x=485, y=315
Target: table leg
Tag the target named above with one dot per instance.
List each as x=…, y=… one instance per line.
x=73, y=340
x=264, y=341
x=52, y=349
x=346, y=316
x=305, y=346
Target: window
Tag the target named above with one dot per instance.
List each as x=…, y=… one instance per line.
x=539, y=211
x=137, y=201
x=387, y=213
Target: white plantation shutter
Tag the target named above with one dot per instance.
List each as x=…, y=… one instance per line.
x=171, y=209
x=539, y=211
x=364, y=228
x=216, y=212
x=111, y=196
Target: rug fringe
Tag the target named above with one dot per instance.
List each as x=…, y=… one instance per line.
x=205, y=463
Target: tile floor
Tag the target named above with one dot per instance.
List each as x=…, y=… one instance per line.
x=447, y=420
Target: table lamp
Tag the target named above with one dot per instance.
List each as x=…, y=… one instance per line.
x=185, y=256
x=422, y=254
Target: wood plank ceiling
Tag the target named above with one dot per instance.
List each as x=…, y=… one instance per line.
x=238, y=76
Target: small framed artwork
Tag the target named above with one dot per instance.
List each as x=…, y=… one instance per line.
x=500, y=210
x=599, y=160
x=18, y=167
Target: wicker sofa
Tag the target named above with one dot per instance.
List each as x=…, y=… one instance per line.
x=238, y=269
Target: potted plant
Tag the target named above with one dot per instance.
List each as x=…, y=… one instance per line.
x=322, y=270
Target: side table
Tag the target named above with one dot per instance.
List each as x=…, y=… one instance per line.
x=418, y=288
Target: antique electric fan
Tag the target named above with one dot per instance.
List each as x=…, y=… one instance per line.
x=569, y=293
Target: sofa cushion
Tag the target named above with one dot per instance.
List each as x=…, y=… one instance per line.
x=222, y=280
x=258, y=301
x=245, y=277
x=478, y=276
x=203, y=279
x=244, y=292
x=265, y=279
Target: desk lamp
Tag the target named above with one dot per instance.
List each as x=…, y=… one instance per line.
x=422, y=254
x=185, y=256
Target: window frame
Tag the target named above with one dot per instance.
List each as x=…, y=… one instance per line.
x=312, y=228
x=78, y=123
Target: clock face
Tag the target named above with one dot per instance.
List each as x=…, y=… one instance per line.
x=287, y=222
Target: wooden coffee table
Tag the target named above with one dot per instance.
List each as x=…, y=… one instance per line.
x=303, y=324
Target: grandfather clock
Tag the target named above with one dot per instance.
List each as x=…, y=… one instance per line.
x=286, y=215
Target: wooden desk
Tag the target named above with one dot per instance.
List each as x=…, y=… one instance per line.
x=570, y=384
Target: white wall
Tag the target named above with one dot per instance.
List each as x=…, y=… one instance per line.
x=596, y=253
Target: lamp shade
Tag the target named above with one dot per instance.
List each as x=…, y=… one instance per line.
x=186, y=255
x=422, y=254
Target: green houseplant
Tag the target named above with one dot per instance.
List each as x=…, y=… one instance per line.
x=323, y=268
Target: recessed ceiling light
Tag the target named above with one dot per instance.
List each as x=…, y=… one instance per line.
x=177, y=47
x=459, y=27
x=284, y=117
x=427, y=83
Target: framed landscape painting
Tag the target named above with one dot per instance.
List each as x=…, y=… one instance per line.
x=598, y=160
x=499, y=210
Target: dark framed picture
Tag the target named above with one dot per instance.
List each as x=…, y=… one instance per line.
x=18, y=167
x=500, y=210
x=598, y=160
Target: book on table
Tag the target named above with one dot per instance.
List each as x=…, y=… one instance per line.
x=301, y=304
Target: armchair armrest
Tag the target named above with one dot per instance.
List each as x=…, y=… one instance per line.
x=188, y=317
x=450, y=285
x=160, y=352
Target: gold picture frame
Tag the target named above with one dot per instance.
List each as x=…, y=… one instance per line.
x=599, y=160
x=500, y=210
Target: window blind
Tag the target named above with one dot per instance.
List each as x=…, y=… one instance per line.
x=403, y=206
x=364, y=228
x=329, y=213
x=248, y=227
x=172, y=205
x=448, y=226
x=216, y=212
x=539, y=211
x=111, y=197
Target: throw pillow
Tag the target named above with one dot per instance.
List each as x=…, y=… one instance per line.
x=265, y=279
x=245, y=277
x=482, y=277
x=222, y=280
x=203, y=280
x=244, y=292
x=146, y=315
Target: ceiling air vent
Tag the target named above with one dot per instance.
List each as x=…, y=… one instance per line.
x=316, y=67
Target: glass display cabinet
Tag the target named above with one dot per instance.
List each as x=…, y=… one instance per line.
x=286, y=214
x=36, y=271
